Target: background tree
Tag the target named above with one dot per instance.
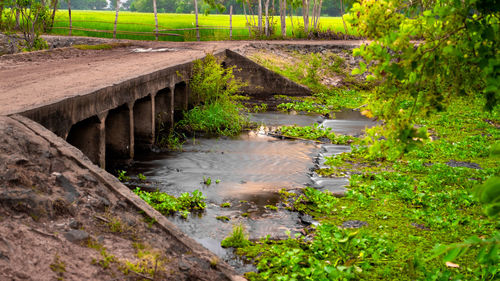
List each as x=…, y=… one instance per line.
x=33, y=15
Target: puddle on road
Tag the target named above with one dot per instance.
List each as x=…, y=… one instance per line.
x=252, y=168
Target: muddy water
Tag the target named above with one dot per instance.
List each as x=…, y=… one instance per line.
x=251, y=168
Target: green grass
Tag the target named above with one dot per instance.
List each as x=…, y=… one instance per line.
x=144, y=22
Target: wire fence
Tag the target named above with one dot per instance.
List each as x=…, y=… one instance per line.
x=133, y=30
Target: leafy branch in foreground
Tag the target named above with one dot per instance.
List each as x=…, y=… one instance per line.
x=456, y=55
x=488, y=249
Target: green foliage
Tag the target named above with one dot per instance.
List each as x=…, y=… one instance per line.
x=418, y=208
x=122, y=176
x=315, y=132
x=210, y=82
x=222, y=218
x=225, y=205
x=216, y=88
x=33, y=18
x=141, y=177
x=167, y=204
x=237, y=239
x=219, y=118
x=260, y=108
x=101, y=46
x=271, y=207
x=167, y=137
x=456, y=55
x=58, y=267
x=207, y=181
x=314, y=201
x=334, y=254
x=489, y=192
x=311, y=70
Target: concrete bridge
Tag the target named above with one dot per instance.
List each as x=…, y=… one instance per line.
x=108, y=104
x=109, y=124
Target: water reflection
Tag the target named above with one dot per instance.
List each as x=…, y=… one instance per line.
x=252, y=168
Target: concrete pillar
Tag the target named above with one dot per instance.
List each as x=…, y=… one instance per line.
x=119, y=134
x=131, y=129
x=143, y=123
x=86, y=135
x=102, y=140
x=181, y=100
x=164, y=109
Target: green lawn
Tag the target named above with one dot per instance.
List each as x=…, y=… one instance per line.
x=131, y=24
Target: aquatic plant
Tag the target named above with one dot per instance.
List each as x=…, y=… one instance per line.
x=237, y=239
x=218, y=111
x=168, y=204
x=316, y=132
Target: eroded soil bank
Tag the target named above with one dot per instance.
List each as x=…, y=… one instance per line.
x=58, y=220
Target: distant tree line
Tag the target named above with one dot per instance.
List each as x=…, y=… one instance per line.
x=84, y=4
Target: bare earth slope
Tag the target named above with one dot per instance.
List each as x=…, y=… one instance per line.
x=59, y=219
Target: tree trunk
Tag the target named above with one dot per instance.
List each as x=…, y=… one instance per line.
x=305, y=15
x=69, y=16
x=18, y=25
x=196, y=19
x=319, y=12
x=156, y=19
x=266, y=30
x=283, y=17
x=291, y=17
x=259, y=17
x=342, y=15
x=116, y=17
x=1, y=14
x=54, y=9
x=316, y=12
x=248, y=23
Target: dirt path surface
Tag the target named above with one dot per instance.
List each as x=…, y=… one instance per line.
x=29, y=80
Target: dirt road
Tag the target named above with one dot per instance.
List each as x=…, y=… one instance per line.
x=28, y=80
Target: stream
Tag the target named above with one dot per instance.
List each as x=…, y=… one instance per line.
x=250, y=170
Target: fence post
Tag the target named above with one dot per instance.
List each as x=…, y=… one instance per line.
x=197, y=26
x=116, y=17
x=156, y=19
x=69, y=15
x=231, y=22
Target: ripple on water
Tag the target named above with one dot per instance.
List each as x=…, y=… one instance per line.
x=252, y=168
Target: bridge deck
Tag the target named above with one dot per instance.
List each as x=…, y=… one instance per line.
x=30, y=80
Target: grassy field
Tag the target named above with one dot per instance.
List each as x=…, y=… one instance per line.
x=131, y=24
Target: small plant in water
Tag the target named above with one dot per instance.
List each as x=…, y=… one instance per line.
x=222, y=218
x=207, y=181
x=260, y=108
x=271, y=207
x=168, y=204
x=141, y=177
x=225, y=205
x=122, y=176
x=237, y=239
